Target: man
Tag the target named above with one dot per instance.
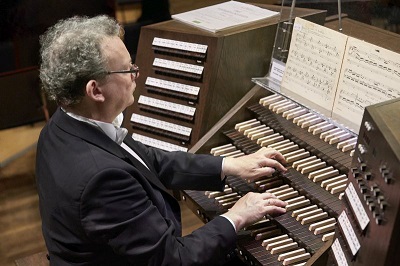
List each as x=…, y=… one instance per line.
x=105, y=202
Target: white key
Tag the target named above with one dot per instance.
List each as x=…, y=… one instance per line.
x=304, y=210
x=243, y=127
x=328, y=236
x=304, y=215
x=280, y=143
x=313, y=127
x=341, y=144
x=294, y=110
x=339, y=189
x=272, y=105
x=284, y=248
x=279, y=243
x=220, y=147
x=329, y=132
x=341, y=137
x=325, y=176
x=311, y=122
x=324, y=229
x=252, y=129
x=296, y=205
x=297, y=113
x=270, y=99
x=281, y=105
x=320, y=171
x=225, y=150
x=325, y=183
x=283, y=256
x=323, y=129
x=313, y=167
x=260, y=134
x=274, y=239
x=314, y=226
x=333, y=135
x=273, y=190
x=266, y=142
x=308, y=163
x=288, y=195
x=301, y=117
x=305, y=160
x=286, y=107
x=314, y=218
x=297, y=258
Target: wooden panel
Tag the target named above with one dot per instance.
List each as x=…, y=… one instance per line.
x=368, y=33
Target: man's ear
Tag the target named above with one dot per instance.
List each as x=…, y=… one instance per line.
x=94, y=92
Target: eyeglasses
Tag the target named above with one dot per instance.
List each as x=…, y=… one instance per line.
x=134, y=70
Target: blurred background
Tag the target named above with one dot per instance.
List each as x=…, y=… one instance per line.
x=22, y=21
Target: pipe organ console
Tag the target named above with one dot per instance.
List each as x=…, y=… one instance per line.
x=189, y=78
x=323, y=158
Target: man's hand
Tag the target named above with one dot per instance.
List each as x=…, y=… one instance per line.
x=264, y=162
x=254, y=206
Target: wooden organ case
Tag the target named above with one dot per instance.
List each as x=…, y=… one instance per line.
x=189, y=78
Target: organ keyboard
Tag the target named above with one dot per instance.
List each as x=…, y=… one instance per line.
x=315, y=180
x=190, y=77
x=320, y=155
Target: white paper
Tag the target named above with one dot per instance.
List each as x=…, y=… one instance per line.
x=313, y=65
x=370, y=75
x=224, y=16
x=277, y=70
x=338, y=75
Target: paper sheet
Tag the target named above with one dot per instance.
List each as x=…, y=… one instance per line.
x=224, y=16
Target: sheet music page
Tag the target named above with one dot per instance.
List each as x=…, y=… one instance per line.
x=370, y=74
x=313, y=65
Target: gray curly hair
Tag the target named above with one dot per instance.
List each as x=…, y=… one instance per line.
x=71, y=56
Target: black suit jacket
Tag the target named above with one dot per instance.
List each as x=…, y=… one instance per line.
x=101, y=206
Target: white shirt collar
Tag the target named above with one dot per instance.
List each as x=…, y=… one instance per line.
x=112, y=130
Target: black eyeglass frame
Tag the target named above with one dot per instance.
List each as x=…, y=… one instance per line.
x=134, y=69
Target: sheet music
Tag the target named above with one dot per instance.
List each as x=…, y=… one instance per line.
x=370, y=74
x=313, y=65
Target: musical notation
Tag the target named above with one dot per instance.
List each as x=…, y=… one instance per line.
x=370, y=74
x=338, y=75
x=314, y=62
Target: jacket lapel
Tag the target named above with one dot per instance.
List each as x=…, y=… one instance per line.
x=92, y=135
x=143, y=169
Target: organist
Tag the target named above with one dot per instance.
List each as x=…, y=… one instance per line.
x=103, y=196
